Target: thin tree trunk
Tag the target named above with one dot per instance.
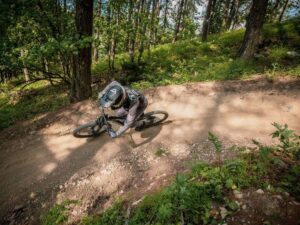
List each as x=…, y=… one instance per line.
x=46, y=64
x=152, y=28
x=157, y=12
x=81, y=79
x=254, y=26
x=179, y=16
x=274, y=10
x=166, y=13
x=136, y=26
x=26, y=74
x=97, y=31
x=207, y=19
x=108, y=43
x=99, y=8
x=46, y=69
x=130, y=26
x=231, y=15
x=283, y=10
x=25, y=70
x=115, y=40
x=184, y=14
x=143, y=31
x=235, y=19
x=96, y=51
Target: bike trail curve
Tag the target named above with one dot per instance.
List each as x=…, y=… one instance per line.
x=43, y=164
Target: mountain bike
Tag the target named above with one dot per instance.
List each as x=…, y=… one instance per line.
x=104, y=123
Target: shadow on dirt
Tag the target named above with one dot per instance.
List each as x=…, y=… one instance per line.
x=41, y=167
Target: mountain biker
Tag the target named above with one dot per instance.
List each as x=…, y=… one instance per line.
x=126, y=102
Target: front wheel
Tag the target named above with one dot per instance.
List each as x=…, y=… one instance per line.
x=91, y=129
x=151, y=119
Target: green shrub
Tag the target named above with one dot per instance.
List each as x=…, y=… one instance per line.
x=290, y=141
x=58, y=214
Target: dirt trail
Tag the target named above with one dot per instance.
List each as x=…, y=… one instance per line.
x=46, y=165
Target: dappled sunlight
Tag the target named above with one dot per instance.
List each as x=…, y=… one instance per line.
x=109, y=150
x=101, y=167
x=49, y=167
x=58, y=147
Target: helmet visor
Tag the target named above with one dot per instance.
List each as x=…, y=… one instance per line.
x=106, y=102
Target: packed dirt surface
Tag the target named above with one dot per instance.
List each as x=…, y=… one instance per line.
x=43, y=164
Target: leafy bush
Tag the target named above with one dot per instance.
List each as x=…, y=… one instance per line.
x=290, y=141
x=291, y=181
x=58, y=214
x=113, y=216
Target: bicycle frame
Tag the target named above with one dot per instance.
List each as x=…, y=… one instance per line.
x=117, y=119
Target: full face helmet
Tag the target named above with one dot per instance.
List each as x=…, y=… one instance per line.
x=113, y=97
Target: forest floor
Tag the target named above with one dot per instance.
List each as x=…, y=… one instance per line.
x=43, y=164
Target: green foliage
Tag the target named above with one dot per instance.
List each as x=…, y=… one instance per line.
x=178, y=202
x=215, y=140
x=113, y=216
x=40, y=97
x=290, y=141
x=192, y=60
x=291, y=181
x=58, y=214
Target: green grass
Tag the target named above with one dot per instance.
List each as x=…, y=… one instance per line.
x=58, y=214
x=193, y=60
x=192, y=196
x=40, y=97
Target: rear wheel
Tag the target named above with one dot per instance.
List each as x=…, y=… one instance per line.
x=151, y=119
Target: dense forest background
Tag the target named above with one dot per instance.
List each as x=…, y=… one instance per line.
x=211, y=162
x=73, y=45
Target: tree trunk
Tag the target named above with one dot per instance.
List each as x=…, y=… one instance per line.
x=25, y=70
x=133, y=36
x=81, y=80
x=232, y=13
x=165, y=14
x=99, y=8
x=254, y=26
x=179, y=16
x=26, y=74
x=144, y=30
x=274, y=11
x=206, y=22
x=96, y=52
x=283, y=10
x=152, y=25
x=65, y=5
x=97, y=31
x=236, y=13
x=109, y=15
x=115, y=39
x=226, y=16
x=156, y=22
x=130, y=25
